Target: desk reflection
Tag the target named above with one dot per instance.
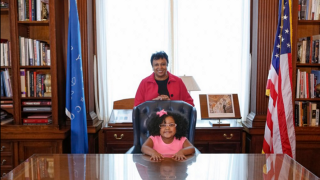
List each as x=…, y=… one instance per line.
x=128, y=166
x=166, y=169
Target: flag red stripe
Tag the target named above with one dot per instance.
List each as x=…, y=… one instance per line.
x=286, y=147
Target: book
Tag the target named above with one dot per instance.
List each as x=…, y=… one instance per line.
x=22, y=51
x=317, y=117
x=303, y=9
x=27, y=109
x=36, y=103
x=23, y=82
x=6, y=105
x=36, y=120
x=317, y=82
x=5, y=54
x=38, y=10
x=39, y=85
x=6, y=102
x=2, y=85
x=28, y=83
x=313, y=117
x=36, y=116
x=31, y=83
x=27, y=56
x=7, y=121
x=36, y=123
x=1, y=54
x=31, y=52
x=296, y=115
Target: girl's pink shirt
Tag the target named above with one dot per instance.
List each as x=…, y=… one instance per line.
x=164, y=148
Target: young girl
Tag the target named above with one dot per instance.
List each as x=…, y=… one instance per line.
x=167, y=137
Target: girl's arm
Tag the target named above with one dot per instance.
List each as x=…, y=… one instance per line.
x=147, y=148
x=186, y=150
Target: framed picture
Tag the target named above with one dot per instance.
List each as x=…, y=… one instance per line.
x=220, y=105
x=121, y=116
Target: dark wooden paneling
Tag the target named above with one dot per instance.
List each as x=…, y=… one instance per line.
x=264, y=22
x=28, y=148
x=86, y=18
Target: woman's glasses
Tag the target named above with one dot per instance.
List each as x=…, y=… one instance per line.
x=167, y=125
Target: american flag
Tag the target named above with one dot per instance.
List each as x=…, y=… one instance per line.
x=279, y=136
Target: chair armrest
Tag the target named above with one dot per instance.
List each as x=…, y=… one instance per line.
x=196, y=151
x=134, y=150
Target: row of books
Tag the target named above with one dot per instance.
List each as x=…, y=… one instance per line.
x=6, y=104
x=37, y=119
x=5, y=52
x=33, y=83
x=308, y=84
x=34, y=52
x=306, y=114
x=6, y=87
x=36, y=109
x=9, y=103
x=36, y=103
x=309, y=10
x=308, y=50
x=33, y=10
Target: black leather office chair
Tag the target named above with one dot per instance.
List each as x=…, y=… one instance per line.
x=143, y=111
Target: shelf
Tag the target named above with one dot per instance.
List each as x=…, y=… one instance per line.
x=35, y=67
x=5, y=67
x=36, y=112
x=6, y=98
x=36, y=105
x=35, y=98
x=307, y=65
x=33, y=22
x=307, y=99
x=309, y=22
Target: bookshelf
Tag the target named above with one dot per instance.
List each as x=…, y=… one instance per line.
x=21, y=141
x=301, y=29
x=307, y=137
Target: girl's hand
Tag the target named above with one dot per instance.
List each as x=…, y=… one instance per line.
x=179, y=156
x=156, y=156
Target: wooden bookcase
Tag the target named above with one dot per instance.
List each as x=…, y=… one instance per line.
x=307, y=138
x=21, y=141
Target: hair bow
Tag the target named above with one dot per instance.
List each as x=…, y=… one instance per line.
x=162, y=112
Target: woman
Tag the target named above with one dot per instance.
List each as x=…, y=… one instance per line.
x=161, y=85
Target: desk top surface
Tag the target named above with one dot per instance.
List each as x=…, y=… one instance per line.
x=129, y=166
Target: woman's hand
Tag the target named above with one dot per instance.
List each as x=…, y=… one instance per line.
x=155, y=156
x=179, y=156
x=162, y=97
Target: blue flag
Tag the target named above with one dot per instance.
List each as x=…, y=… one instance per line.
x=75, y=101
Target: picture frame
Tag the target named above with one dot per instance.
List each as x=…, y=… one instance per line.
x=206, y=104
x=220, y=105
x=121, y=117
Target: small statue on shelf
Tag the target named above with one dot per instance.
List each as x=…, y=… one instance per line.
x=47, y=83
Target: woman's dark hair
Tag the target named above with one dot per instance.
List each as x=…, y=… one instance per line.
x=159, y=55
x=182, y=124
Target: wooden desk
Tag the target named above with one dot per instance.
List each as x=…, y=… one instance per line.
x=208, y=139
x=129, y=166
